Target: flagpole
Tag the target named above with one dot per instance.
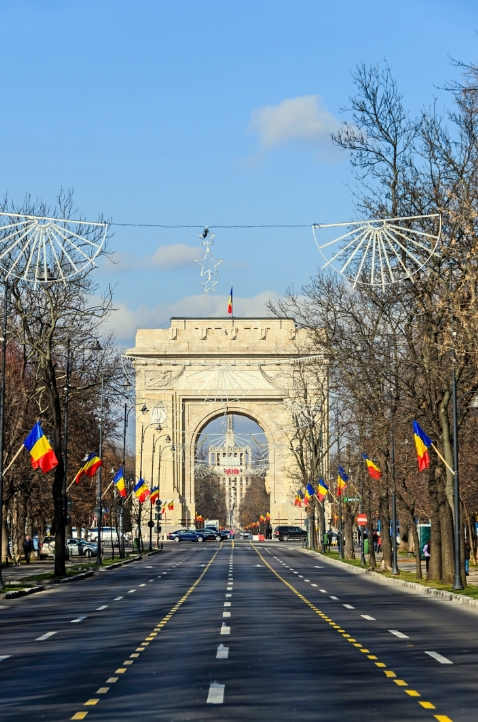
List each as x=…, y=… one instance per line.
x=441, y=457
x=107, y=488
x=14, y=458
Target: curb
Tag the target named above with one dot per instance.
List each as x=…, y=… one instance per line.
x=412, y=586
x=119, y=564
x=22, y=592
x=65, y=580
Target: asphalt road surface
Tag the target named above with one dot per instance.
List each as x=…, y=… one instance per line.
x=236, y=632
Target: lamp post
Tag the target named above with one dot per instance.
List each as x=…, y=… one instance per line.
x=2, y=418
x=65, y=438
x=97, y=348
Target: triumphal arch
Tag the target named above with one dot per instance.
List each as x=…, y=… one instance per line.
x=200, y=369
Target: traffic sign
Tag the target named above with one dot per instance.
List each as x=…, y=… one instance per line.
x=362, y=519
x=150, y=524
x=352, y=498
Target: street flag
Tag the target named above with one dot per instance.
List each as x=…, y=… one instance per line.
x=309, y=492
x=372, y=468
x=89, y=468
x=322, y=490
x=268, y=516
x=422, y=442
x=141, y=491
x=229, y=304
x=171, y=506
x=297, y=500
x=154, y=494
x=118, y=481
x=342, y=480
x=42, y=455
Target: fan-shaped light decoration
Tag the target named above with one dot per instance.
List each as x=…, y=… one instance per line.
x=219, y=382
x=381, y=252
x=208, y=263
x=39, y=249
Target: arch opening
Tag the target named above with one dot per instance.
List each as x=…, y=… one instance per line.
x=231, y=462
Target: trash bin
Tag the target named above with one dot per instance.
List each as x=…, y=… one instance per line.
x=136, y=544
x=326, y=539
x=365, y=546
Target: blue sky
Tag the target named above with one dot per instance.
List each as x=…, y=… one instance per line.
x=204, y=112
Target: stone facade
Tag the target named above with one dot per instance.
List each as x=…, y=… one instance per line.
x=200, y=369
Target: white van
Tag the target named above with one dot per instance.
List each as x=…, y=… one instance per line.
x=108, y=533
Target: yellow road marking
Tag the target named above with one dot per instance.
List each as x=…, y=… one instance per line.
x=134, y=655
x=150, y=638
x=102, y=690
x=110, y=680
x=388, y=673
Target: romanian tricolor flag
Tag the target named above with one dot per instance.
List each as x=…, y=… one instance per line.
x=342, y=480
x=89, y=468
x=322, y=490
x=118, y=481
x=171, y=506
x=42, y=455
x=268, y=516
x=154, y=494
x=297, y=500
x=372, y=468
x=141, y=491
x=422, y=442
x=309, y=492
x=229, y=304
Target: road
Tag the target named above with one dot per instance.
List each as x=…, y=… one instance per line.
x=236, y=632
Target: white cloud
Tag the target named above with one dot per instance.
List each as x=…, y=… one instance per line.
x=126, y=321
x=301, y=119
x=177, y=255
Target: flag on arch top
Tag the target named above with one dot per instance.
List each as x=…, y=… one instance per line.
x=372, y=468
x=422, y=443
x=42, y=455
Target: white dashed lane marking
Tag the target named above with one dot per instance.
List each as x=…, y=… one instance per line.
x=398, y=634
x=3, y=657
x=216, y=693
x=116, y=599
x=131, y=591
x=222, y=652
x=100, y=609
x=439, y=658
x=349, y=606
x=45, y=636
x=78, y=619
x=225, y=629
x=336, y=598
x=324, y=591
x=367, y=616
x=313, y=585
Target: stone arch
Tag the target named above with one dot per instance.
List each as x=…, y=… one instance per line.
x=196, y=369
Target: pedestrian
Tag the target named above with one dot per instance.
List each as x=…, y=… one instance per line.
x=467, y=556
x=426, y=554
x=330, y=536
x=379, y=543
x=27, y=548
x=375, y=541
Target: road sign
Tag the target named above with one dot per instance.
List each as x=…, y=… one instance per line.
x=362, y=519
x=150, y=524
x=352, y=498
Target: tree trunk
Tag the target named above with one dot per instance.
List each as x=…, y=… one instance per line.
x=416, y=545
x=384, y=512
x=349, y=551
x=446, y=529
x=369, y=511
x=434, y=569
x=55, y=407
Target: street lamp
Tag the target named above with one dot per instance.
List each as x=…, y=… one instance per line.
x=96, y=349
x=155, y=441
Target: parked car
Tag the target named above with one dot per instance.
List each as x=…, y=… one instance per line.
x=283, y=533
x=184, y=535
x=81, y=548
x=245, y=535
x=107, y=533
x=47, y=548
x=211, y=535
